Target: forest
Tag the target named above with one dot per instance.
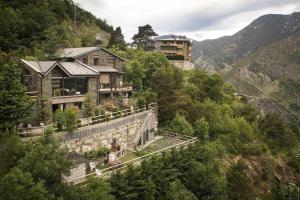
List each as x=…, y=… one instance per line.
x=240, y=153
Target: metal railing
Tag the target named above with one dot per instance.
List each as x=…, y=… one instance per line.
x=141, y=128
x=107, y=172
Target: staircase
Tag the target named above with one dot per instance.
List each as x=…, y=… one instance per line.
x=134, y=139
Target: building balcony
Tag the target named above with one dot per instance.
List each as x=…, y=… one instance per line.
x=168, y=45
x=124, y=89
x=67, y=99
x=116, y=89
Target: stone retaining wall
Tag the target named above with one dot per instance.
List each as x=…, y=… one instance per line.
x=101, y=135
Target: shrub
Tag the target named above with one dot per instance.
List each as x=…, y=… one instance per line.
x=88, y=106
x=59, y=119
x=180, y=125
x=71, y=120
x=45, y=112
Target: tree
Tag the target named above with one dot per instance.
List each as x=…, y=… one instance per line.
x=71, y=120
x=97, y=189
x=240, y=185
x=166, y=81
x=177, y=191
x=180, y=125
x=33, y=169
x=20, y=185
x=143, y=38
x=117, y=39
x=134, y=73
x=15, y=105
x=277, y=132
x=59, y=119
x=201, y=128
x=45, y=112
x=88, y=106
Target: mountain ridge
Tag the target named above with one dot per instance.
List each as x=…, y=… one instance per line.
x=264, y=55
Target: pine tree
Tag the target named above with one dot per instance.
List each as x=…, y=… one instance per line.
x=14, y=103
x=143, y=39
x=88, y=106
x=117, y=39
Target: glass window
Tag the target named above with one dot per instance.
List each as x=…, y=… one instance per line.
x=81, y=86
x=57, y=87
x=69, y=86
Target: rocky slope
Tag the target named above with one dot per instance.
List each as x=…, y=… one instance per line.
x=262, y=59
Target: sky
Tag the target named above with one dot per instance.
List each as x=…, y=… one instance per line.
x=197, y=19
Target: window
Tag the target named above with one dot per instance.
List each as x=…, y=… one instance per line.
x=96, y=61
x=69, y=86
x=57, y=86
x=81, y=85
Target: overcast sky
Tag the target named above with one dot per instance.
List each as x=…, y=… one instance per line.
x=197, y=19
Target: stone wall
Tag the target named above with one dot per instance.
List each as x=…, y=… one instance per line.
x=105, y=59
x=101, y=135
x=182, y=64
x=92, y=89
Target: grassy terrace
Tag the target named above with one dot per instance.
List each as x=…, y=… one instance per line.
x=165, y=143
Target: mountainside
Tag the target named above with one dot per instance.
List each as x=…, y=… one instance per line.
x=261, y=60
x=39, y=27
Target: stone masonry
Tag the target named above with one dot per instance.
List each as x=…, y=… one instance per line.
x=101, y=135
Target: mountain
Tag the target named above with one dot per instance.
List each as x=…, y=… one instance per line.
x=262, y=60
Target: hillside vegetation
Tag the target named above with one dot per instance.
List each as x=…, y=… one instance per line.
x=40, y=27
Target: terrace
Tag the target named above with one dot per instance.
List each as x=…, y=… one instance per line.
x=164, y=142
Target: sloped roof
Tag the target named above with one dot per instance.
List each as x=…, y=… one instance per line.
x=76, y=52
x=81, y=51
x=105, y=69
x=71, y=68
x=39, y=66
x=77, y=68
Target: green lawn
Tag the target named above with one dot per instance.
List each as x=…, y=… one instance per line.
x=129, y=155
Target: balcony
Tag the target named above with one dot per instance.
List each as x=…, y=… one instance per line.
x=169, y=44
x=123, y=89
x=67, y=99
x=116, y=89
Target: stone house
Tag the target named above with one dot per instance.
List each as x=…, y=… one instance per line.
x=78, y=71
x=60, y=84
x=109, y=65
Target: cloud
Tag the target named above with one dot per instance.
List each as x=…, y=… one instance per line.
x=201, y=19
x=216, y=12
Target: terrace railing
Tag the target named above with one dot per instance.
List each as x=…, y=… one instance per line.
x=107, y=172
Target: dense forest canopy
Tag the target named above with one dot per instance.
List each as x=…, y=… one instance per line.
x=40, y=27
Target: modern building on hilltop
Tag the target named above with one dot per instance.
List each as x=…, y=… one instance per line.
x=178, y=49
x=78, y=71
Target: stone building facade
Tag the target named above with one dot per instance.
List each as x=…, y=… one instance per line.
x=78, y=71
x=59, y=84
x=109, y=65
